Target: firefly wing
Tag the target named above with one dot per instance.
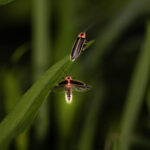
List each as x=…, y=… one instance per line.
x=77, y=48
x=60, y=87
x=79, y=86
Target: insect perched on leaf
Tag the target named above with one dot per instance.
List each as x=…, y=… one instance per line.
x=78, y=46
x=70, y=85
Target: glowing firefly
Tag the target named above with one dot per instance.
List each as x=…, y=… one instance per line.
x=70, y=85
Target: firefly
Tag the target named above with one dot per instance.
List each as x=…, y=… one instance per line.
x=70, y=85
x=78, y=46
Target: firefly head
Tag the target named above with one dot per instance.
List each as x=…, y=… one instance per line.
x=82, y=35
x=68, y=78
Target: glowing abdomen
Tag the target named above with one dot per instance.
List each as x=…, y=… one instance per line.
x=68, y=95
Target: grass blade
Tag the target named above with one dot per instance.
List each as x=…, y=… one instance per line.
x=41, y=57
x=27, y=108
x=135, y=95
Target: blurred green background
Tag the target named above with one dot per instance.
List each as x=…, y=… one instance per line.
x=115, y=113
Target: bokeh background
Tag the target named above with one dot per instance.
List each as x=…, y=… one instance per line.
x=35, y=34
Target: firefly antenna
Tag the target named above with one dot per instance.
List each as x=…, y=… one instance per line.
x=88, y=27
x=67, y=68
x=64, y=72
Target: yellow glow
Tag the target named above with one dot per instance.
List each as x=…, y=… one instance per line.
x=67, y=100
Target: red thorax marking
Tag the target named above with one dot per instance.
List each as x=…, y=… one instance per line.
x=68, y=78
x=82, y=35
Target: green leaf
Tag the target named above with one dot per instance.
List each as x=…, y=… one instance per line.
x=4, y=2
x=136, y=94
x=28, y=106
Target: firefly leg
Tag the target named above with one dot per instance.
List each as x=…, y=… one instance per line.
x=85, y=43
